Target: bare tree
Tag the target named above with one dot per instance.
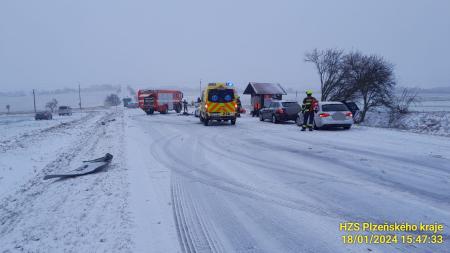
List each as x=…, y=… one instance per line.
x=346, y=89
x=112, y=100
x=371, y=77
x=8, y=107
x=401, y=104
x=52, y=105
x=329, y=67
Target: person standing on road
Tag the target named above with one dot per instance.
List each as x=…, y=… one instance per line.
x=308, y=108
x=185, y=106
x=238, y=107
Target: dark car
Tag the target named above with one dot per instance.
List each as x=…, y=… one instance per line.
x=43, y=115
x=279, y=111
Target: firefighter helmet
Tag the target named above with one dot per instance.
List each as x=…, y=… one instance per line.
x=309, y=92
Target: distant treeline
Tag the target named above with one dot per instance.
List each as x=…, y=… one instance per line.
x=91, y=88
x=435, y=90
x=13, y=94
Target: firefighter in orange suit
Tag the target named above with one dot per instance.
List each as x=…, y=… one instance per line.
x=308, y=108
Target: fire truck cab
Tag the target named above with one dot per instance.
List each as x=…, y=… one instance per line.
x=219, y=103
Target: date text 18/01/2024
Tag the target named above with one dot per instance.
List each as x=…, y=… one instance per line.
x=391, y=227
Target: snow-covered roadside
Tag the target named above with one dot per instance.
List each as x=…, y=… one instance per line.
x=435, y=123
x=84, y=214
x=25, y=154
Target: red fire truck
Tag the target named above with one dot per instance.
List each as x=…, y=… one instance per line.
x=161, y=101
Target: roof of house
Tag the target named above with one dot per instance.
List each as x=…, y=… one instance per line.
x=264, y=88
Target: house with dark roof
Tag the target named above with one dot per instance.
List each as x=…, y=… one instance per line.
x=262, y=94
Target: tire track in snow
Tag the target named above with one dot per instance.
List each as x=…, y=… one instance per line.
x=197, y=174
x=194, y=234
x=197, y=227
x=242, y=243
x=261, y=162
x=367, y=175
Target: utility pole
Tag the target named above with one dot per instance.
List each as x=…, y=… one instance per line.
x=200, y=86
x=79, y=95
x=34, y=101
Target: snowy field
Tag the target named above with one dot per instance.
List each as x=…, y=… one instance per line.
x=433, y=102
x=20, y=124
x=25, y=103
x=175, y=185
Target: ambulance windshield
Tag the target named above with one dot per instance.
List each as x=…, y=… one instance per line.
x=221, y=96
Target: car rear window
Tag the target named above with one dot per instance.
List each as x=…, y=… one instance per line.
x=290, y=104
x=334, y=108
x=352, y=106
x=221, y=96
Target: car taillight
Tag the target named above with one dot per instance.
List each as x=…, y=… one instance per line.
x=349, y=114
x=324, y=115
x=206, y=106
x=280, y=111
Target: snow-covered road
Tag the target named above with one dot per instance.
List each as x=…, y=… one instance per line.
x=177, y=186
x=261, y=187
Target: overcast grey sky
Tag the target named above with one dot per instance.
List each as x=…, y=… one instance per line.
x=53, y=44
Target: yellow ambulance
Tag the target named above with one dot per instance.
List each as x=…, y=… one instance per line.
x=218, y=103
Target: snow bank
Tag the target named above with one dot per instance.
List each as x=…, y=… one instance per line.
x=435, y=123
x=84, y=214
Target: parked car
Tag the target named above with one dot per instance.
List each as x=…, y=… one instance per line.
x=64, y=110
x=331, y=114
x=279, y=111
x=43, y=115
